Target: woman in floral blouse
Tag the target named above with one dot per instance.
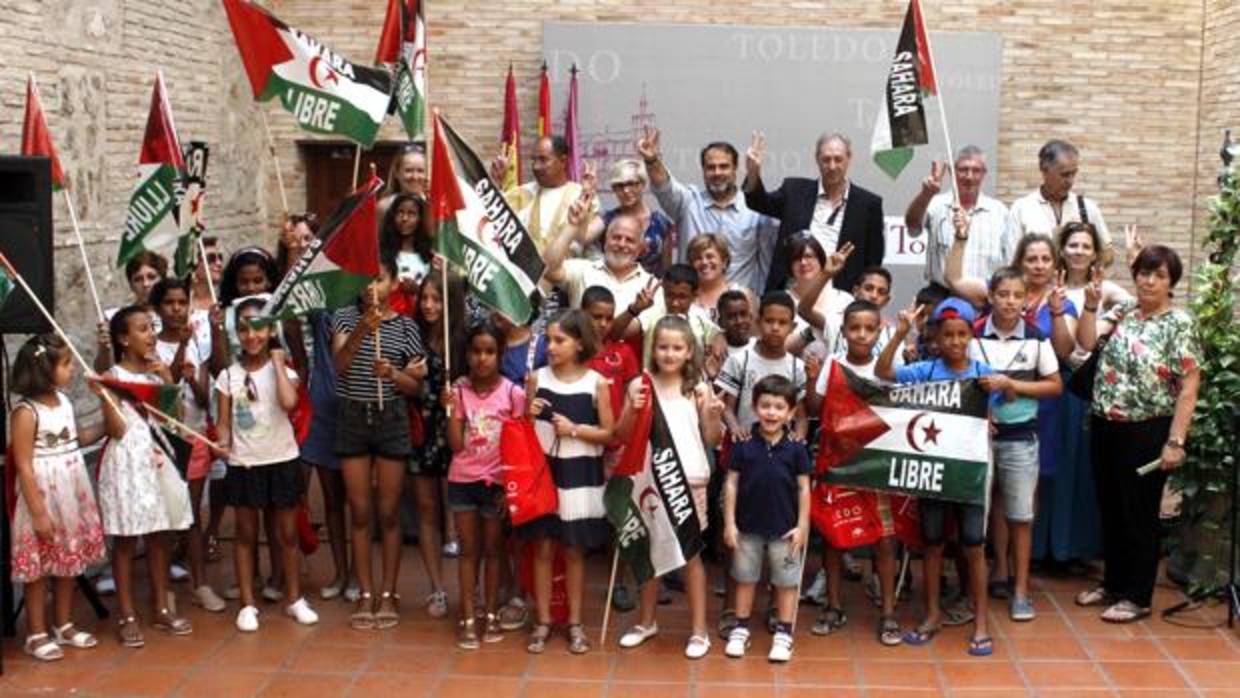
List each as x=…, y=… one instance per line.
x=1145, y=391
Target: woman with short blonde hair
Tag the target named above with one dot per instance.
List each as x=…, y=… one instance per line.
x=629, y=180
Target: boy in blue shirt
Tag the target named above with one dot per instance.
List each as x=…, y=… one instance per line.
x=952, y=321
x=766, y=513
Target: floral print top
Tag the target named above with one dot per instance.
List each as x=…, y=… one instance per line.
x=1141, y=368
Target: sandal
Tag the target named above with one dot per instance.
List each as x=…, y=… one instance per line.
x=467, y=634
x=491, y=630
x=43, y=648
x=958, y=613
x=1124, y=612
x=1000, y=589
x=538, y=638
x=577, y=641
x=166, y=622
x=364, y=617
x=385, y=619
x=921, y=636
x=829, y=620
x=981, y=647
x=128, y=632
x=889, y=631
x=71, y=636
x=1098, y=596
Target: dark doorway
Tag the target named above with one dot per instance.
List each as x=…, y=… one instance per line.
x=329, y=170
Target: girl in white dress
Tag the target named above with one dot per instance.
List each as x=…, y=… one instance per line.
x=56, y=528
x=137, y=496
x=693, y=414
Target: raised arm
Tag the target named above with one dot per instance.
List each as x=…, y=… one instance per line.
x=885, y=368
x=805, y=308
x=574, y=226
x=756, y=195
x=648, y=149
x=972, y=290
x=915, y=214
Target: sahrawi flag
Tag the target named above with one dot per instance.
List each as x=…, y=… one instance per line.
x=338, y=266
x=901, y=122
x=36, y=139
x=928, y=440
x=324, y=91
x=478, y=231
x=648, y=499
x=402, y=46
x=151, y=221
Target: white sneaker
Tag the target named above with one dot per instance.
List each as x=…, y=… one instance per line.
x=698, y=647
x=638, y=634
x=300, y=611
x=272, y=594
x=206, y=597
x=247, y=619
x=781, y=648
x=817, y=589
x=352, y=592
x=177, y=572
x=331, y=591
x=738, y=642
x=452, y=549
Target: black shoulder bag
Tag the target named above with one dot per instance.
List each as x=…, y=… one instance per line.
x=1081, y=382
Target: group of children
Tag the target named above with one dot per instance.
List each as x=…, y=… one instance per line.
x=395, y=409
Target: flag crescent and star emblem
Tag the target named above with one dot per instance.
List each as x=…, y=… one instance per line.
x=930, y=433
x=314, y=73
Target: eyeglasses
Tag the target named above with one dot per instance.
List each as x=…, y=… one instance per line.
x=631, y=184
x=215, y=258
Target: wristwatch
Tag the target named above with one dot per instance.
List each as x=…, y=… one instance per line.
x=1175, y=443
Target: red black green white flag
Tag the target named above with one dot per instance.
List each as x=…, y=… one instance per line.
x=648, y=500
x=510, y=134
x=402, y=47
x=151, y=220
x=36, y=139
x=901, y=121
x=929, y=440
x=478, y=231
x=324, y=91
x=338, y=266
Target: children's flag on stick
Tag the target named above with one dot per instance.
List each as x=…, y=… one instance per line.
x=36, y=139
x=510, y=135
x=648, y=500
x=323, y=90
x=477, y=229
x=151, y=221
x=901, y=121
x=402, y=47
x=338, y=266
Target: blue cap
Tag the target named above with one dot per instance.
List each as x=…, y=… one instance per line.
x=954, y=308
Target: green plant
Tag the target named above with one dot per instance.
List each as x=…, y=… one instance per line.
x=1206, y=477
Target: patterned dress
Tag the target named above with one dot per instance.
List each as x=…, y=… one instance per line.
x=60, y=474
x=132, y=497
x=432, y=457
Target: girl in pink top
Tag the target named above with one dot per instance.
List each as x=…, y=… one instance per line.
x=479, y=404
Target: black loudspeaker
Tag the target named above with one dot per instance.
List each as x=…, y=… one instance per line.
x=26, y=240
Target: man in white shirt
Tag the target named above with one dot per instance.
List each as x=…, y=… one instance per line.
x=618, y=271
x=1054, y=204
x=991, y=243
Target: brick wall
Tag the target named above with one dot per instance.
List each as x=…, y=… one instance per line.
x=1120, y=79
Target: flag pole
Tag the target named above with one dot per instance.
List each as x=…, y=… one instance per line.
x=357, y=167
x=77, y=234
x=180, y=426
x=374, y=299
x=206, y=266
x=611, y=587
x=90, y=371
x=275, y=159
x=947, y=139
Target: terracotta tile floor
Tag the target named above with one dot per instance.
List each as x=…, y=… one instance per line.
x=1066, y=651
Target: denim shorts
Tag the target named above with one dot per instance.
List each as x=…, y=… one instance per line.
x=970, y=522
x=1016, y=475
x=362, y=429
x=487, y=500
x=748, y=557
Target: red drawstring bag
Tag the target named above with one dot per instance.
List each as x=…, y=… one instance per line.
x=417, y=430
x=307, y=537
x=906, y=517
x=846, y=518
x=302, y=415
x=528, y=485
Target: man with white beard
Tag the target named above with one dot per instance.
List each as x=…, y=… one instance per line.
x=618, y=271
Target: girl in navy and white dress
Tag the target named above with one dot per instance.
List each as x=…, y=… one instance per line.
x=571, y=407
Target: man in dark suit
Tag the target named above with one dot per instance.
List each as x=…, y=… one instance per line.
x=831, y=209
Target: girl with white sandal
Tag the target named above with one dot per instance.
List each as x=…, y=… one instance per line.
x=56, y=527
x=693, y=415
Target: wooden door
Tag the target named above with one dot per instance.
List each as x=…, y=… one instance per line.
x=329, y=170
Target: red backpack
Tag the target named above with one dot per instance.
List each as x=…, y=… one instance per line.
x=847, y=518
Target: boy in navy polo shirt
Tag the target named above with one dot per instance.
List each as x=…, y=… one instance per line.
x=952, y=322
x=766, y=514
